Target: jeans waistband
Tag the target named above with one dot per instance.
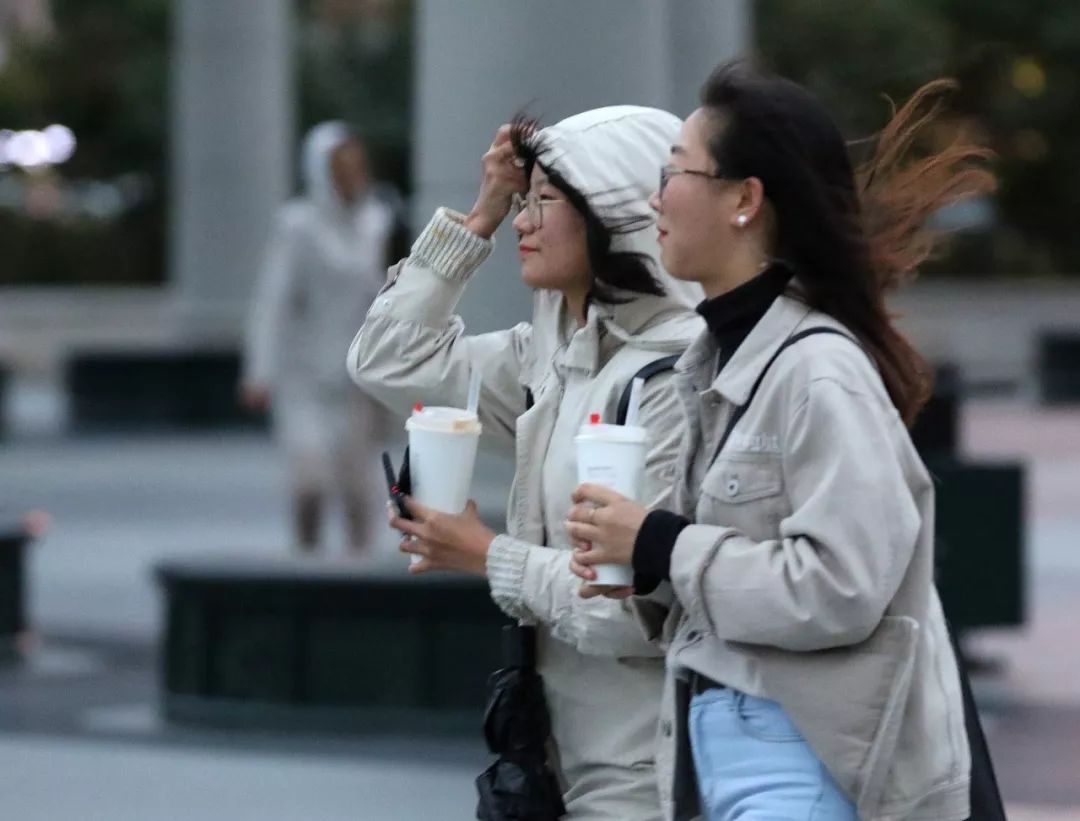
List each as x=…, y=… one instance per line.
x=699, y=684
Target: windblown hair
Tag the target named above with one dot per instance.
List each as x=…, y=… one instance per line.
x=850, y=236
x=897, y=194
x=616, y=275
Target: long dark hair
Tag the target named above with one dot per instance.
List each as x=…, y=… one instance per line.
x=850, y=235
x=630, y=272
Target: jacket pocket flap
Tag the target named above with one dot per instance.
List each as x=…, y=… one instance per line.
x=743, y=477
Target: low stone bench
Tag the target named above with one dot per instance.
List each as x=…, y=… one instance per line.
x=13, y=541
x=297, y=643
x=169, y=389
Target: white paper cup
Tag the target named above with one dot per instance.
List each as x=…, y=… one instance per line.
x=442, y=456
x=613, y=456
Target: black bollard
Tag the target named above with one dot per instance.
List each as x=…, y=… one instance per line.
x=1059, y=366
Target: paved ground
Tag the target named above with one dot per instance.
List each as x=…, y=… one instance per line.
x=79, y=730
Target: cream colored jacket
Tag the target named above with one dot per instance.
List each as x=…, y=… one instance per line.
x=807, y=577
x=602, y=678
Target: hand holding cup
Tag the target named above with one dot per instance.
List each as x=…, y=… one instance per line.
x=444, y=541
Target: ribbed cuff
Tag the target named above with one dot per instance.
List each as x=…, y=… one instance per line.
x=450, y=249
x=506, y=559
x=654, y=545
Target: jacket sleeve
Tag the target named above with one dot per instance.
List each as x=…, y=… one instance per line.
x=535, y=584
x=656, y=612
x=412, y=348
x=275, y=293
x=841, y=553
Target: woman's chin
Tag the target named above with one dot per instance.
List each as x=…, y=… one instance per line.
x=677, y=268
x=537, y=280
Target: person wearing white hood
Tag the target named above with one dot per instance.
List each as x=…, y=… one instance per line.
x=603, y=309
x=323, y=268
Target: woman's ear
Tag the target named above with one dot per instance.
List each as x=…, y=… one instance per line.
x=752, y=197
x=750, y=202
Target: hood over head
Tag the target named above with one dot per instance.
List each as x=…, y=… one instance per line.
x=318, y=145
x=612, y=156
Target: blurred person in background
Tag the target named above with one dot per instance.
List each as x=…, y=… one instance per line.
x=603, y=308
x=325, y=262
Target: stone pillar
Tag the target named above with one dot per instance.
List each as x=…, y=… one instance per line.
x=232, y=136
x=701, y=34
x=478, y=61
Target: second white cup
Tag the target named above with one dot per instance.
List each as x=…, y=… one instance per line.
x=612, y=456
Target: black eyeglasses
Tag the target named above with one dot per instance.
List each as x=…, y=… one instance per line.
x=534, y=204
x=669, y=171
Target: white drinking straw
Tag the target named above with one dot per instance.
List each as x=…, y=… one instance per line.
x=635, y=401
x=474, y=391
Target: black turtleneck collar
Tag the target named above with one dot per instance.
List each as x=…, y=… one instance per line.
x=733, y=315
x=730, y=318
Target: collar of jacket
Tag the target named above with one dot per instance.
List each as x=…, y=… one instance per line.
x=651, y=323
x=737, y=378
x=582, y=343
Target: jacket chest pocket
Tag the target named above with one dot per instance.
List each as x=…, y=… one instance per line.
x=744, y=491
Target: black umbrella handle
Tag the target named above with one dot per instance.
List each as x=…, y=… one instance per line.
x=519, y=646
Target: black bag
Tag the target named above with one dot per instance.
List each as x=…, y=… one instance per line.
x=986, y=803
x=518, y=786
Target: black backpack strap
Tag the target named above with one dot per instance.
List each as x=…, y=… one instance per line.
x=650, y=370
x=737, y=414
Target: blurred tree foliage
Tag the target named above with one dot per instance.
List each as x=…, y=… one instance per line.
x=356, y=64
x=1017, y=63
x=104, y=75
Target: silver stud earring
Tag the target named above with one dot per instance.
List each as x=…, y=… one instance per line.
x=741, y=220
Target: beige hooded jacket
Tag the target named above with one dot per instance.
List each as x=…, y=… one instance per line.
x=603, y=679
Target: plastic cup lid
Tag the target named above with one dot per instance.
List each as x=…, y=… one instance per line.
x=444, y=419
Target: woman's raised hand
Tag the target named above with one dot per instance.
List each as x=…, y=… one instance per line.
x=504, y=176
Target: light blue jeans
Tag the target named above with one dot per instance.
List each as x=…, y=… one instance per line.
x=752, y=763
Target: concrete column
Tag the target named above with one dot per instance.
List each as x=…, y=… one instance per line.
x=702, y=34
x=232, y=154
x=478, y=61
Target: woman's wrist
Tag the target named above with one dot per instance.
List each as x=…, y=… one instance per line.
x=481, y=224
x=480, y=565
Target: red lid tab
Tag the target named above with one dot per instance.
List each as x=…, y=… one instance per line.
x=594, y=419
x=418, y=407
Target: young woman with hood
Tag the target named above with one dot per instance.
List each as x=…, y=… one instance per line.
x=811, y=672
x=324, y=265
x=603, y=309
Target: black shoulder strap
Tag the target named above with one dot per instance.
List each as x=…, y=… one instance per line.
x=650, y=370
x=737, y=414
